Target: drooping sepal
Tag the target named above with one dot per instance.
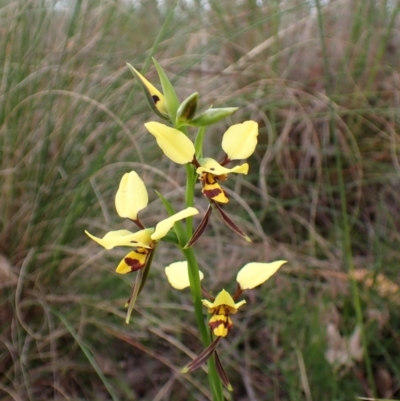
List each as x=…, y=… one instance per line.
x=221, y=372
x=227, y=220
x=154, y=97
x=134, y=294
x=212, y=116
x=140, y=281
x=200, y=228
x=202, y=358
x=187, y=108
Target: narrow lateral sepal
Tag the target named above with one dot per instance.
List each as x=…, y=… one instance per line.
x=200, y=228
x=202, y=358
x=227, y=220
x=140, y=281
x=134, y=295
x=221, y=372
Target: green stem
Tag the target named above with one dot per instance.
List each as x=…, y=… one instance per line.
x=195, y=287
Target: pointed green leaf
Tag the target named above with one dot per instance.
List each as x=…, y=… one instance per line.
x=171, y=100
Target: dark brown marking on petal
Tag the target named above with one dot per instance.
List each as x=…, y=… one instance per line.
x=213, y=325
x=212, y=193
x=155, y=99
x=134, y=264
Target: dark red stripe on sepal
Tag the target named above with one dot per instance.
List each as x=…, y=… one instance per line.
x=226, y=219
x=221, y=372
x=202, y=358
x=200, y=228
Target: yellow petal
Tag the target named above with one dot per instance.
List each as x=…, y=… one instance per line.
x=135, y=260
x=131, y=196
x=174, y=143
x=254, y=274
x=165, y=225
x=208, y=165
x=141, y=238
x=223, y=299
x=178, y=275
x=240, y=140
x=156, y=96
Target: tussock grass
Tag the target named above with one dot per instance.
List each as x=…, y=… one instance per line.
x=72, y=123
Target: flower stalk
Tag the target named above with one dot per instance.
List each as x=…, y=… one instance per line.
x=238, y=143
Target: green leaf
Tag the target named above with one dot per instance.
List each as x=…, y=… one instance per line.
x=171, y=100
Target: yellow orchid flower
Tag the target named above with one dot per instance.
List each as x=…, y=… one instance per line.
x=130, y=199
x=238, y=142
x=143, y=240
x=223, y=306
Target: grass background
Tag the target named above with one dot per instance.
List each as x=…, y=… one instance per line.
x=322, y=81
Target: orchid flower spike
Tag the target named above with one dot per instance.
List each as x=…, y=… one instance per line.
x=130, y=199
x=223, y=306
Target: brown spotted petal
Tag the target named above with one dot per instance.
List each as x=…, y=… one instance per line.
x=200, y=229
x=135, y=260
x=202, y=358
x=227, y=220
x=211, y=188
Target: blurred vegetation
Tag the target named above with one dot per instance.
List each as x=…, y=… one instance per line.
x=322, y=80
